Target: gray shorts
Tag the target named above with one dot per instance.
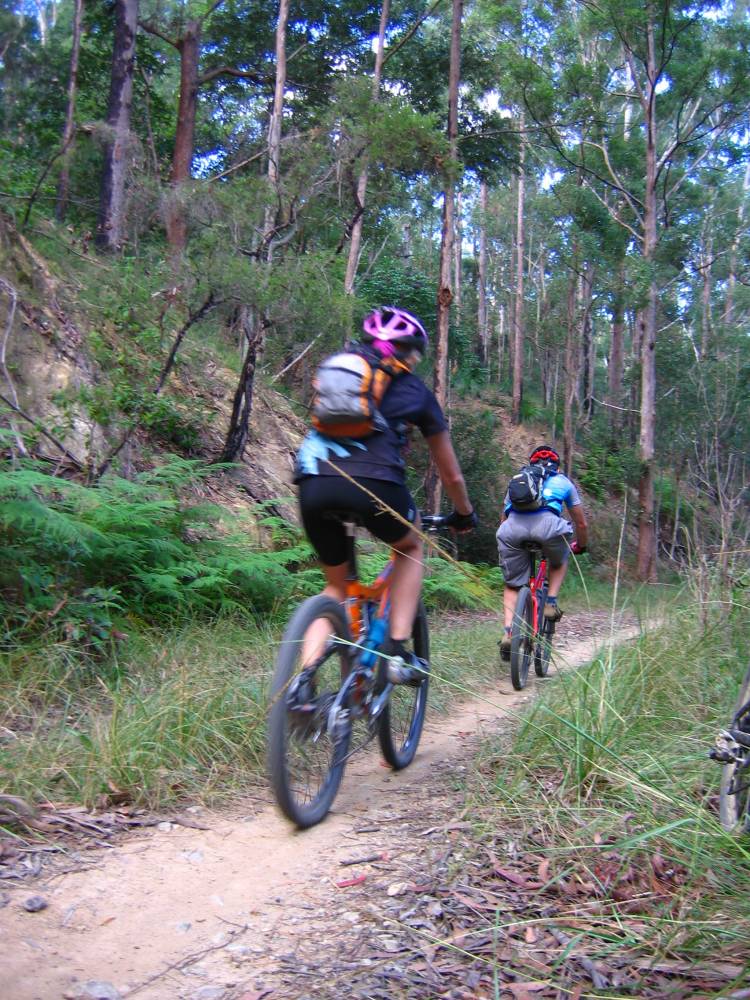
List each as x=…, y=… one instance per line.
x=545, y=527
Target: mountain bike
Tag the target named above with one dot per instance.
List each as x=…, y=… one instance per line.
x=315, y=706
x=733, y=751
x=531, y=633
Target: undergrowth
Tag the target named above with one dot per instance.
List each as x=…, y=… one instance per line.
x=608, y=777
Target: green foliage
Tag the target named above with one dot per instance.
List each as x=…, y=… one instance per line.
x=606, y=470
x=75, y=558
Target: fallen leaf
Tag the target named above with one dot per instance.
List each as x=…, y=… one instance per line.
x=345, y=883
x=398, y=888
x=530, y=935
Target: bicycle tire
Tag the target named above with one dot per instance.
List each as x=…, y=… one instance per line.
x=545, y=630
x=734, y=806
x=522, y=640
x=299, y=744
x=400, y=725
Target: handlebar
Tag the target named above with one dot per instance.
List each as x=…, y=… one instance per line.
x=433, y=522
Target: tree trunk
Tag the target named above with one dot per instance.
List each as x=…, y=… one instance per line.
x=571, y=370
x=69, y=130
x=274, y=125
x=518, y=332
x=457, y=259
x=182, y=156
x=484, y=338
x=242, y=405
x=615, y=369
x=647, y=320
x=588, y=348
x=445, y=293
x=705, y=270
x=110, y=230
x=356, y=238
x=732, y=277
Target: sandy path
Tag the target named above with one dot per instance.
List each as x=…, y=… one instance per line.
x=207, y=914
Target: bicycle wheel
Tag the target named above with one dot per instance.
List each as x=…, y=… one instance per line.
x=734, y=797
x=305, y=763
x=400, y=725
x=522, y=639
x=545, y=631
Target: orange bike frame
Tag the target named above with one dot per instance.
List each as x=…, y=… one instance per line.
x=358, y=593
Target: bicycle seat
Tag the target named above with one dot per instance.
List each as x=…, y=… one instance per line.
x=531, y=546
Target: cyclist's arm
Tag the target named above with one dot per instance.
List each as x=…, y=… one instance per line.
x=579, y=520
x=449, y=471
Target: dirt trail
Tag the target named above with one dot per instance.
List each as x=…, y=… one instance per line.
x=219, y=913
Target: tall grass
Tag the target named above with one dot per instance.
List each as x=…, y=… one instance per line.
x=610, y=767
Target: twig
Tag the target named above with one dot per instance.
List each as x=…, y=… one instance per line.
x=299, y=357
x=45, y=433
x=183, y=963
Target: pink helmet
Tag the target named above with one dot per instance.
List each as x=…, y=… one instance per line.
x=389, y=328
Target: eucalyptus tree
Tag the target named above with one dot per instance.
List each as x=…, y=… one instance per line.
x=683, y=70
x=118, y=142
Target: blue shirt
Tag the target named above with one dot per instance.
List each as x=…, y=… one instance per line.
x=557, y=490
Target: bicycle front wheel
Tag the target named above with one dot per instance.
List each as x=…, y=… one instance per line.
x=306, y=749
x=522, y=639
x=545, y=630
x=734, y=797
x=400, y=725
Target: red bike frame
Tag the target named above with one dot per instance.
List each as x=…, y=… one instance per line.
x=536, y=583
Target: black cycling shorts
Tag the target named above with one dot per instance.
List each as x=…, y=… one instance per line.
x=321, y=498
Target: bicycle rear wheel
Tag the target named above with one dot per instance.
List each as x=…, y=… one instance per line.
x=400, y=725
x=522, y=639
x=545, y=630
x=734, y=797
x=306, y=754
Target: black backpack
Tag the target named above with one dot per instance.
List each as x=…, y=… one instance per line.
x=525, y=488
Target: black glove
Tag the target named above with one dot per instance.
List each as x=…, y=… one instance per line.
x=461, y=522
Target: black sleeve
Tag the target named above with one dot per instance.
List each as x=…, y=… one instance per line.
x=431, y=419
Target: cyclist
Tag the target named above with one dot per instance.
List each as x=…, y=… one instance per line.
x=548, y=527
x=376, y=466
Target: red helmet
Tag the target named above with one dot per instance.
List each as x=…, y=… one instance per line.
x=389, y=328
x=544, y=455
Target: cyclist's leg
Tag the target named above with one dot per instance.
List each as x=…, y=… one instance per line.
x=406, y=544
x=515, y=563
x=406, y=585
x=552, y=534
x=328, y=538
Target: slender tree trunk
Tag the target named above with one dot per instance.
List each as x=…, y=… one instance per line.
x=458, y=259
x=63, y=186
x=484, y=338
x=615, y=369
x=182, y=156
x=588, y=349
x=242, y=405
x=571, y=369
x=647, y=321
x=445, y=293
x=705, y=270
x=728, y=316
x=518, y=331
x=110, y=230
x=274, y=126
x=356, y=238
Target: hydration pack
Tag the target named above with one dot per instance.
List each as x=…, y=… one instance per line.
x=525, y=488
x=348, y=390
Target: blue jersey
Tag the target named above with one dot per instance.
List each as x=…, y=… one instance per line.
x=557, y=490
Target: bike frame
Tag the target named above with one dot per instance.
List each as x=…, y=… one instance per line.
x=536, y=582
x=357, y=593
